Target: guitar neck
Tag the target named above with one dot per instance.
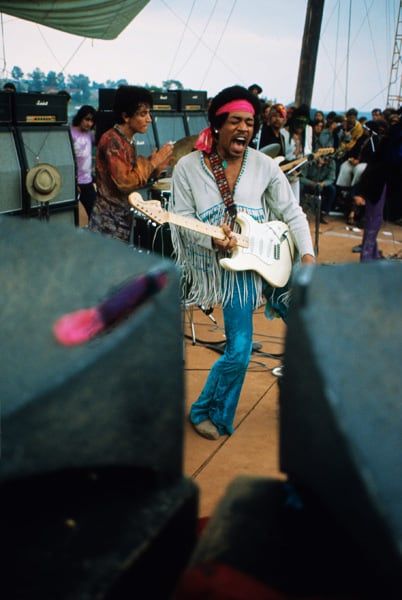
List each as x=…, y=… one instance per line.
x=292, y=164
x=204, y=228
x=298, y=161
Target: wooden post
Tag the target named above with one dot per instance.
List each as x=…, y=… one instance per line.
x=309, y=51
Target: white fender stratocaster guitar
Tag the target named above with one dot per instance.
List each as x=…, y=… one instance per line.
x=266, y=248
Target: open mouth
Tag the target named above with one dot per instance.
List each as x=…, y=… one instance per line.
x=239, y=143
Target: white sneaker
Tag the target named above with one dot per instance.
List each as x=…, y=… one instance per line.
x=278, y=371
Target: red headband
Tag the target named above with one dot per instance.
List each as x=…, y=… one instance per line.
x=205, y=139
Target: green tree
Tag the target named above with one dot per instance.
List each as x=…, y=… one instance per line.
x=172, y=84
x=37, y=80
x=80, y=88
x=17, y=73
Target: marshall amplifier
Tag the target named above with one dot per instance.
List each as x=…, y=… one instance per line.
x=34, y=108
x=192, y=100
x=5, y=107
x=106, y=98
x=165, y=100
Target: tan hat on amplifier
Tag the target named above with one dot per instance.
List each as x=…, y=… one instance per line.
x=43, y=182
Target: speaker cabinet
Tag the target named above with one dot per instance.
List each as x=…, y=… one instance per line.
x=191, y=100
x=105, y=120
x=11, y=187
x=5, y=107
x=95, y=404
x=340, y=400
x=49, y=144
x=196, y=122
x=169, y=127
x=106, y=98
x=94, y=504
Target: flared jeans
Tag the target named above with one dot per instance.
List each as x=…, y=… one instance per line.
x=220, y=396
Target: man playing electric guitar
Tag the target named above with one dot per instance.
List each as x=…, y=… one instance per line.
x=222, y=178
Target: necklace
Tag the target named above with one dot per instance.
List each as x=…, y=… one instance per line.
x=123, y=135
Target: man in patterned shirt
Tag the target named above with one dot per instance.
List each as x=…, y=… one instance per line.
x=119, y=171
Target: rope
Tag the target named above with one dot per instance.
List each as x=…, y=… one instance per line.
x=218, y=43
x=181, y=40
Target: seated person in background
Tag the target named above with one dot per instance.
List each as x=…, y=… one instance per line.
x=272, y=129
x=318, y=127
x=351, y=132
x=318, y=177
x=119, y=171
x=83, y=139
x=300, y=142
x=329, y=136
x=318, y=117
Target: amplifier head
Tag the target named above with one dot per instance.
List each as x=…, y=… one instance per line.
x=165, y=100
x=40, y=109
x=190, y=100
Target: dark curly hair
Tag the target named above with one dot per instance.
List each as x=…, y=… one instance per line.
x=128, y=99
x=235, y=92
x=83, y=112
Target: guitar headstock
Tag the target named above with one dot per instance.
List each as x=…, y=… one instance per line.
x=151, y=208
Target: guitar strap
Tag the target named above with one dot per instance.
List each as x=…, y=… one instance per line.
x=223, y=186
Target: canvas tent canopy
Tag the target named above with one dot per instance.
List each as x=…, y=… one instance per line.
x=99, y=19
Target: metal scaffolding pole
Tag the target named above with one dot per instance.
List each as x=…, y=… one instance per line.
x=394, y=97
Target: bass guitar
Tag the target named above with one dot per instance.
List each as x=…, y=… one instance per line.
x=266, y=248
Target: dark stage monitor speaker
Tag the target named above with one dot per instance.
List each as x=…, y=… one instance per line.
x=5, y=107
x=37, y=109
x=97, y=404
x=340, y=400
x=52, y=145
x=169, y=127
x=106, y=98
x=192, y=100
x=196, y=122
x=11, y=187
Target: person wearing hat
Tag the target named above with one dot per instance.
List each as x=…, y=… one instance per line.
x=255, y=89
x=225, y=162
x=119, y=170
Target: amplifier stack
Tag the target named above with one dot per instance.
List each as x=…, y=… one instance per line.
x=34, y=132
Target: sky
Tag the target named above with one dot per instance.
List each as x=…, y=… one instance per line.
x=211, y=44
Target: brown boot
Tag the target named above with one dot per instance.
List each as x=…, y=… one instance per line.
x=207, y=429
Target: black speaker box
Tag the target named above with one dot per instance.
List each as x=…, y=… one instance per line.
x=98, y=404
x=93, y=499
x=267, y=541
x=165, y=100
x=53, y=145
x=190, y=100
x=35, y=108
x=106, y=98
x=105, y=120
x=11, y=184
x=340, y=401
x=5, y=107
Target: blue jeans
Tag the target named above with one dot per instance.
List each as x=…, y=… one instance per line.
x=220, y=395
